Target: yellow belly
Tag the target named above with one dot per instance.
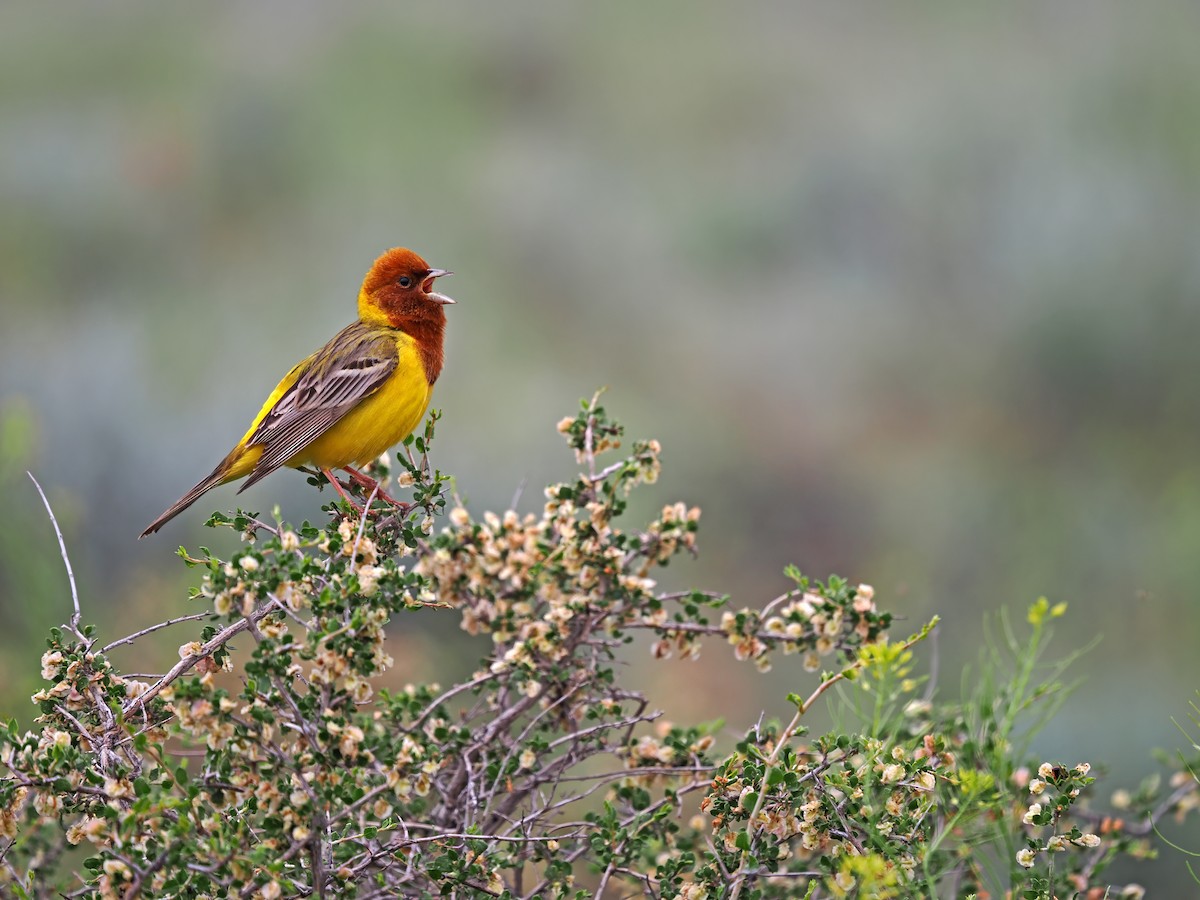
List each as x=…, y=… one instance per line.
x=380, y=421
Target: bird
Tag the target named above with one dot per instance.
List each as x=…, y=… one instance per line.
x=363, y=392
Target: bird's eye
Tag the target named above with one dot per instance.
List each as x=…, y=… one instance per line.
x=404, y=281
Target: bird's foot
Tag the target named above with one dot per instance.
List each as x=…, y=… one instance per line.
x=369, y=484
x=341, y=489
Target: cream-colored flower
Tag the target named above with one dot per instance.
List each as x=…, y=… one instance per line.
x=47, y=803
x=118, y=787
x=115, y=868
x=52, y=661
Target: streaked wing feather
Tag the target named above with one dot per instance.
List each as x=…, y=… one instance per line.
x=302, y=432
x=345, y=371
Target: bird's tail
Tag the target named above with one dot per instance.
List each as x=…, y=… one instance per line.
x=219, y=475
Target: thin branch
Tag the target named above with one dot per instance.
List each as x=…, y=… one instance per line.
x=597, y=477
x=640, y=771
x=588, y=440
x=79, y=726
x=62, y=548
x=135, y=886
x=133, y=637
x=519, y=491
x=711, y=595
x=362, y=524
x=787, y=595
x=218, y=641
x=607, y=874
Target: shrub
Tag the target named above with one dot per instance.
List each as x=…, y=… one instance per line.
x=545, y=773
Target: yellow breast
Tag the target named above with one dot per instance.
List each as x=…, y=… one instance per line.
x=380, y=421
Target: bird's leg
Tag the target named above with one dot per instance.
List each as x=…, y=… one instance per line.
x=370, y=484
x=337, y=486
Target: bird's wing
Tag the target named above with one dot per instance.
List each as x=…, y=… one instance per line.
x=334, y=380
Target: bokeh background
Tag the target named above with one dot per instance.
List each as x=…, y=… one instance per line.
x=908, y=292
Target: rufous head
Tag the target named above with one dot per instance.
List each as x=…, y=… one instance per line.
x=399, y=291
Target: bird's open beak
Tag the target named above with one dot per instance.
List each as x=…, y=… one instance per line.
x=429, y=279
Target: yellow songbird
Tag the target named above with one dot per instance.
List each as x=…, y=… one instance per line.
x=360, y=394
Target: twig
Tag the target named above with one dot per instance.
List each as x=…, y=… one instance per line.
x=640, y=771
x=362, y=524
x=145, y=631
x=519, y=491
x=607, y=873
x=62, y=547
x=596, y=477
x=711, y=595
x=135, y=886
x=770, y=607
x=79, y=726
x=218, y=641
x=589, y=451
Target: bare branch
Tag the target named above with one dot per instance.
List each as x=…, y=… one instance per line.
x=62, y=548
x=195, y=617
x=219, y=640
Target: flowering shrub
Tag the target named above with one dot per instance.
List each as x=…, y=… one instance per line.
x=545, y=773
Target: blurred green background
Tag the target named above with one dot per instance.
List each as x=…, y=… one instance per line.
x=908, y=293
